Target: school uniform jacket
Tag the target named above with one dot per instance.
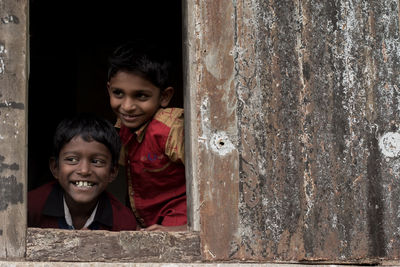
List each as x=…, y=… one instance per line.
x=46, y=210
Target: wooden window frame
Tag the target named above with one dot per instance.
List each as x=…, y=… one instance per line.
x=34, y=244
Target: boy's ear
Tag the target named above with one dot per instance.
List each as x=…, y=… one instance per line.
x=113, y=173
x=53, y=167
x=108, y=87
x=166, y=96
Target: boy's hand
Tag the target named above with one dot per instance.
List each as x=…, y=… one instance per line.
x=157, y=227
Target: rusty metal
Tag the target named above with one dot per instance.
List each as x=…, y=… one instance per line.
x=306, y=94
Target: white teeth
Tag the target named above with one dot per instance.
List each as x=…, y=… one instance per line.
x=83, y=183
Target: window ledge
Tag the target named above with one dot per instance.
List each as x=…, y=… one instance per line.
x=106, y=246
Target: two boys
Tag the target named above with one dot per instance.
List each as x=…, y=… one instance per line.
x=140, y=89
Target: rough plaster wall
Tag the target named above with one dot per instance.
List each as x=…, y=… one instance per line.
x=12, y=127
x=318, y=118
x=304, y=96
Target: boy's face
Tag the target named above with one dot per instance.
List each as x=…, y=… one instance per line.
x=135, y=100
x=83, y=171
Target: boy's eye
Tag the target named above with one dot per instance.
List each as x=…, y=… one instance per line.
x=142, y=97
x=71, y=160
x=99, y=162
x=117, y=93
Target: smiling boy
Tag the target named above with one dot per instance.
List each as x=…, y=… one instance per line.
x=84, y=162
x=140, y=89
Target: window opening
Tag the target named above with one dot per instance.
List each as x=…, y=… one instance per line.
x=69, y=45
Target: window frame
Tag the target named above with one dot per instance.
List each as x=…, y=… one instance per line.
x=32, y=244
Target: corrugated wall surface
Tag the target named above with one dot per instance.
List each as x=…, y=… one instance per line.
x=298, y=129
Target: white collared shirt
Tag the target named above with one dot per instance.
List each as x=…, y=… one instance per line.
x=68, y=217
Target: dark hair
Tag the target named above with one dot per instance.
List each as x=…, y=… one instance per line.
x=145, y=60
x=89, y=127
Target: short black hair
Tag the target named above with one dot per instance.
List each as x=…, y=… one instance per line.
x=144, y=59
x=89, y=127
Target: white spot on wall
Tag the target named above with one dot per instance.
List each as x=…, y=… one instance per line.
x=212, y=61
x=169, y=265
x=3, y=49
x=205, y=122
x=9, y=19
x=2, y=64
x=221, y=144
x=389, y=144
x=334, y=221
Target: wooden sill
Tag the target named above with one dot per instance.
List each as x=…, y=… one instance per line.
x=106, y=246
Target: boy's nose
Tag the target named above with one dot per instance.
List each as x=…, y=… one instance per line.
x=84, y=168
x=128, y=105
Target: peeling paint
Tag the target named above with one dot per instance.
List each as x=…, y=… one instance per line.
x=212, y=63
x=12, y=104
x=2, y=65
x=11, y=192
x=205, y=122
x=10, y=19
x=3, y=51
x=389, y=144
x=3, y=166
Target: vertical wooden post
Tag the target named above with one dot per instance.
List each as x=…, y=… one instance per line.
x=211, y=112
x=190, y=115
x=13, y=127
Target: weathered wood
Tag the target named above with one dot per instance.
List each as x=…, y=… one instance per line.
x=92, y=246
x=306, y=95
x=191, y=152
x=294, y=138
x=13, y=99
x=213, y=123
x=152, y=264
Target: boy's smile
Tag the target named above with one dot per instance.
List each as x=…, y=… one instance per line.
x=134, y=99
x=83, y=171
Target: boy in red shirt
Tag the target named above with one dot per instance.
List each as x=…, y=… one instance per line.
x=152, y=135
x=85, y=161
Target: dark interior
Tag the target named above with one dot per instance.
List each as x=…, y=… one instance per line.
x=69, y=45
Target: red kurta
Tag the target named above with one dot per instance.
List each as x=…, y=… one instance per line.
x=154, y=160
